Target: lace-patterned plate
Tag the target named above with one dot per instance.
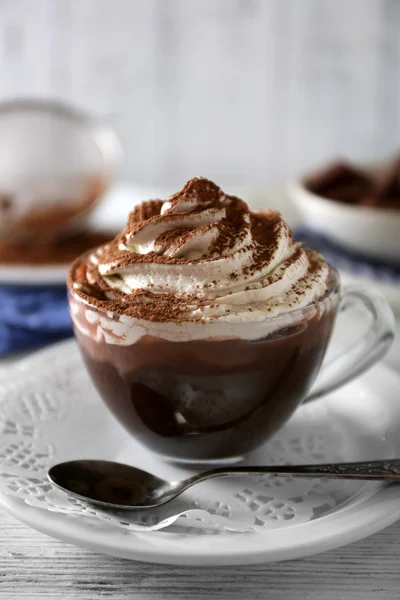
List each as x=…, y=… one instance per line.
x=50, y=412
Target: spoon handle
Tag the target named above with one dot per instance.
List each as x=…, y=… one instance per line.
x=380, y=470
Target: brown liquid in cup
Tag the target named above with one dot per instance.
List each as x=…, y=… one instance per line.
x=208, y=399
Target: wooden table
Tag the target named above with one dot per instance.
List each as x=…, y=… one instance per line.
x=34, y=566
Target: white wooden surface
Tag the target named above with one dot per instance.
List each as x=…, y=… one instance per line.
x=237, y=90
x=33, y=566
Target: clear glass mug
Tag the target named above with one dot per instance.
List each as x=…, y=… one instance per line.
x=214, y=400
x=56, y=163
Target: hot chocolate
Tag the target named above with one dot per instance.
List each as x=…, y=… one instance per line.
x=202, y=324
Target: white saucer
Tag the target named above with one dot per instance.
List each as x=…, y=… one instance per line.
x=52, y=413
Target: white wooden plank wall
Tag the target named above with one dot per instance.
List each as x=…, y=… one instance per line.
x=239, y=90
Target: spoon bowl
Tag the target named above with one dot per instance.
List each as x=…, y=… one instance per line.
x=111, y=484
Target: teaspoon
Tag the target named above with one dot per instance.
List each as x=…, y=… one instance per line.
x=114, y=485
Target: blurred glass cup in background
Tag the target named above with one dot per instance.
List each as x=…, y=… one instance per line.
x=55, y=165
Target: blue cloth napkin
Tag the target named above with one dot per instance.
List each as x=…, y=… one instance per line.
x=348, y=260
x=32, y=316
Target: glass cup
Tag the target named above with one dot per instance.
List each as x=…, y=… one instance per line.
x=55, y=165
x=214, y=400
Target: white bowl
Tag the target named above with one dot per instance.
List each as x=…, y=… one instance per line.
x=373, y=232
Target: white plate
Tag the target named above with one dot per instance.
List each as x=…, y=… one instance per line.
x=359, y=422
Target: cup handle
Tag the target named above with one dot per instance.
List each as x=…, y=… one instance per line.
x=365, y=352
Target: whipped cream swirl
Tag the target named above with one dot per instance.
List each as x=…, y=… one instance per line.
x=203, y=256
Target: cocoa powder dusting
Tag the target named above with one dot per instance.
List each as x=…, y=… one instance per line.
x=204, y=191
x=143, y=212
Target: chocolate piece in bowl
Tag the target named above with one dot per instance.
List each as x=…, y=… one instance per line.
x=203, y=324
x=343, y=182
x=339, y=181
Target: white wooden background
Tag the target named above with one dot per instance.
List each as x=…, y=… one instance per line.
x=239, y=90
